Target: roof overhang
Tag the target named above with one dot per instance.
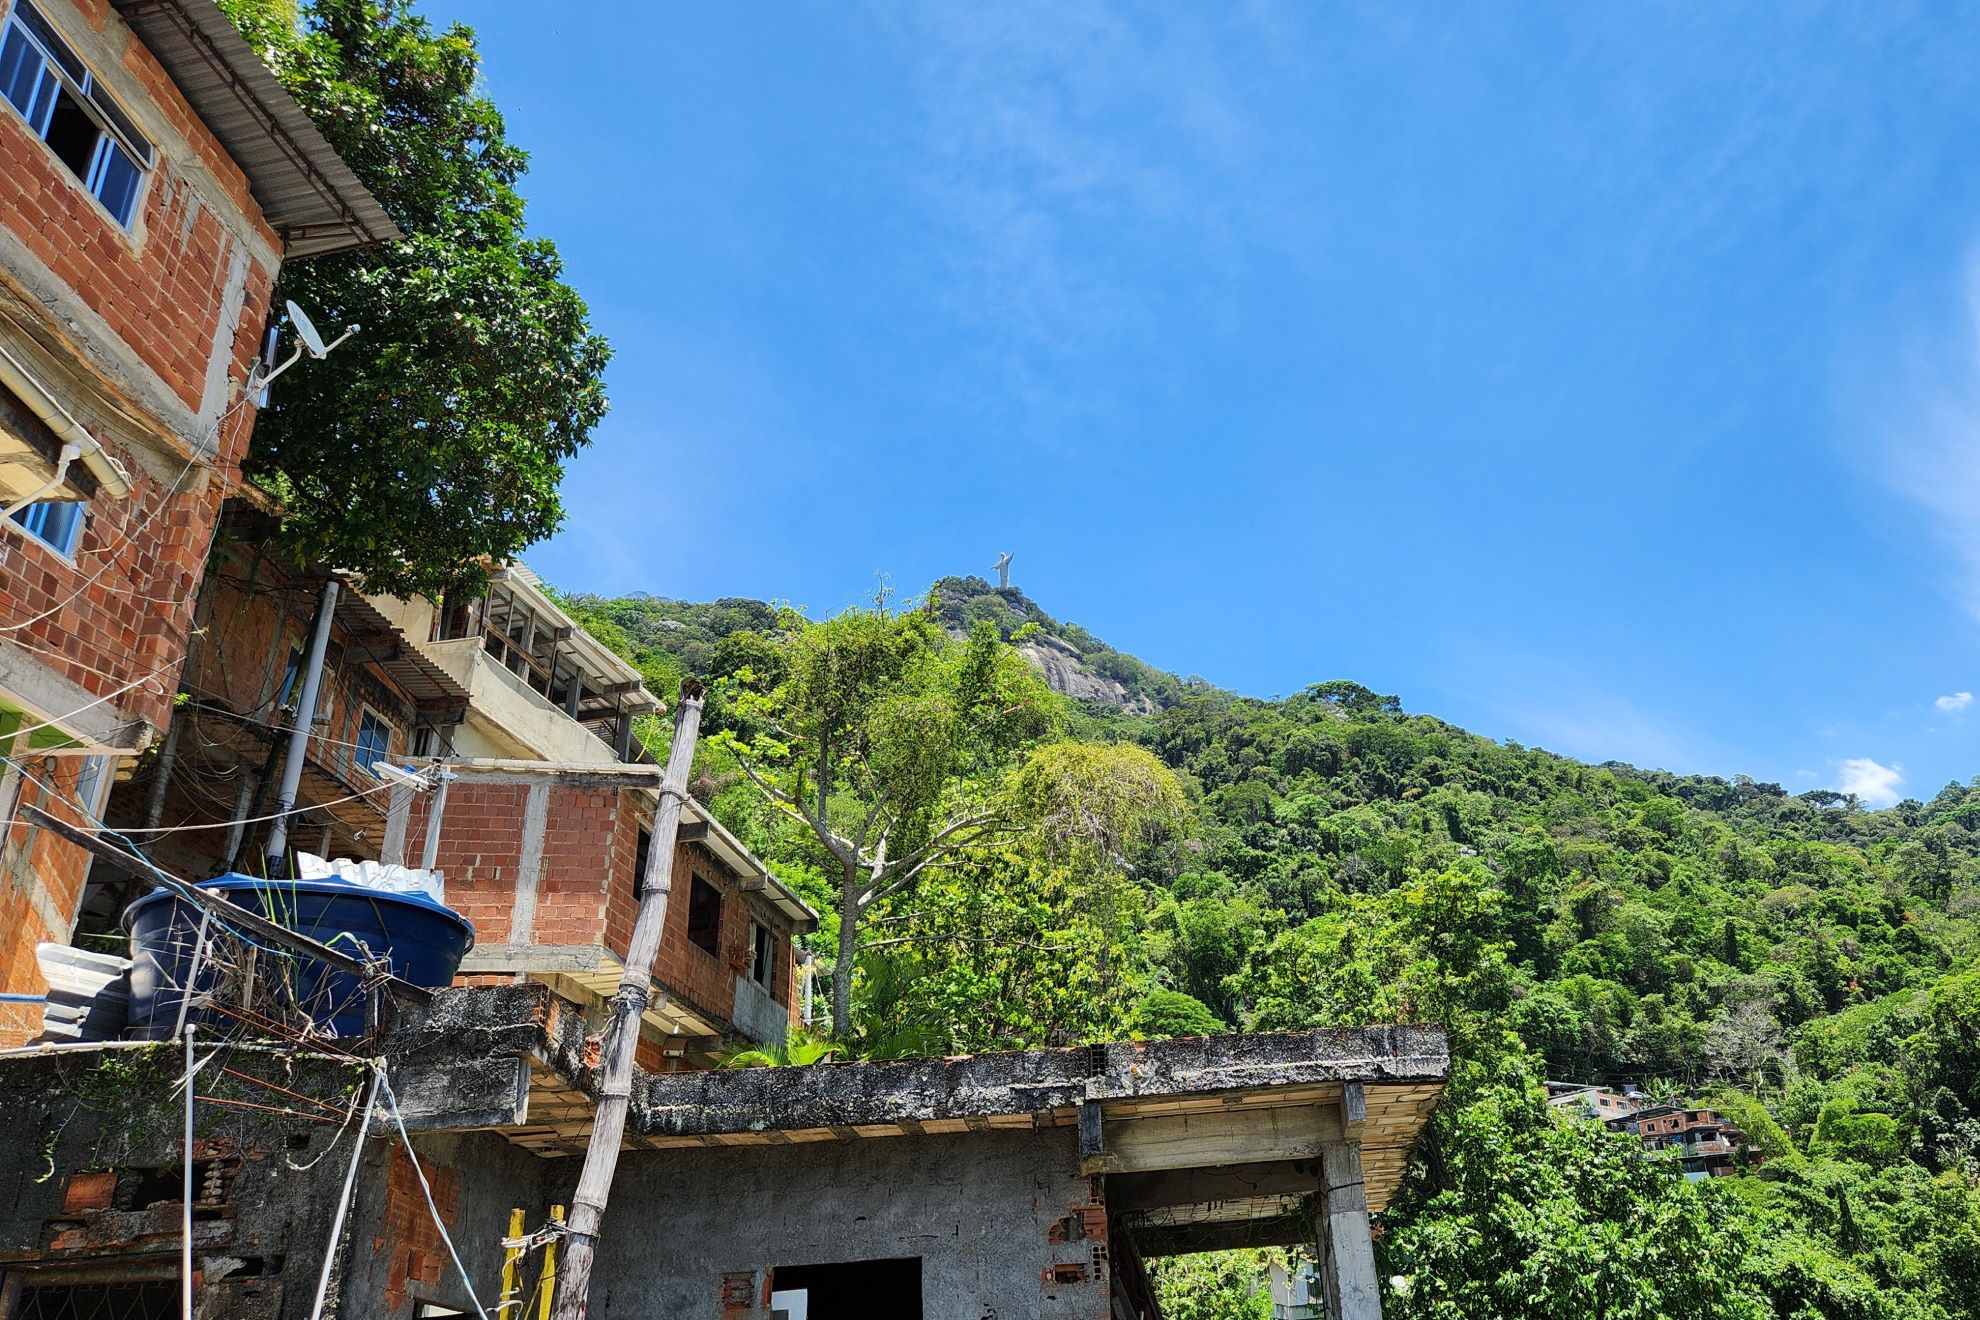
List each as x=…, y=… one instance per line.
x=306, y=192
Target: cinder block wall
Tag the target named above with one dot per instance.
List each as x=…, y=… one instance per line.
x=999, y=1220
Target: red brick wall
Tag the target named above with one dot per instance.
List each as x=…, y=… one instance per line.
x=480, y=850
x=406, y=1236
x=39, y=875
x=118, y=614
x=160, y=284
x=585, y=886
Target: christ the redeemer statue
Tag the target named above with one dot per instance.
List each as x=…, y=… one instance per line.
x=1004, y=571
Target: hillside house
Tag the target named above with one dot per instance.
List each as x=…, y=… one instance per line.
x=1587, y=1101
x=153, y=179
x=544, y=832
x=216, y=769
x=1705, y=1143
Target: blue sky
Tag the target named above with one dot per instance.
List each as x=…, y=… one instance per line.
x=1600, y=377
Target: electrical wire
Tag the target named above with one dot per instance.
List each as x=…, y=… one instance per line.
x=110, y=553
x=392, y=1105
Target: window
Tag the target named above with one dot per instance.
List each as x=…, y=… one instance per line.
x=57, y=524
x=151, y=1300
x=91, y=782
x=761, y=943
x=642, y=856
x=704, y=916
x=374, y=740
x=42, y=78
x=285, y=695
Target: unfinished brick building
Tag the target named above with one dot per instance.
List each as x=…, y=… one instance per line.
x=546, y=860
x=153, y=178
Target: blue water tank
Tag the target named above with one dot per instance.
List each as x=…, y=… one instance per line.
x=424, y=940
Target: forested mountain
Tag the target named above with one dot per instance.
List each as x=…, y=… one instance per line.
x=1804, y=965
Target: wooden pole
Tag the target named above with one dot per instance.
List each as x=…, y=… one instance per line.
x=615, y=1069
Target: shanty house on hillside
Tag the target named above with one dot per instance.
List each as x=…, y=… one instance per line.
x=544, y=830
x=153, y=178
x=203, y=803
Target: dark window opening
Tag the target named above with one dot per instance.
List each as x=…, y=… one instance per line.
x=854, y=1290
x=642, y=856
x=153, y=1300
x=63, y=105
x=761, y=945
x=705, y=916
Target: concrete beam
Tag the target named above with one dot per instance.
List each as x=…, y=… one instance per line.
x=474, y=1093
x=1214, y=1139
x=1169, y=1188
x=1187, y=1239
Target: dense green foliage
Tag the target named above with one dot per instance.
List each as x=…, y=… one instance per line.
x=1805, y=966
x=435, y=439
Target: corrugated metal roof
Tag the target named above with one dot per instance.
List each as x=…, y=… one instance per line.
x=305, y=190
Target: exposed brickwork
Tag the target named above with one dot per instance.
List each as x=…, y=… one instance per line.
x=586, y=885
x=405, y=1228
x=184, y=294
x=41, y=880
x=160, y=284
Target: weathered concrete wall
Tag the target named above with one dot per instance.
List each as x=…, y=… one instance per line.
x=1003, y=1222
x=91, y=1177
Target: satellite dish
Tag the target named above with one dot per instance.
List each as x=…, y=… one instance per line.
x=306, y=331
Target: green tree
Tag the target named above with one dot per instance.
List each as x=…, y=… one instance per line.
x=434, y=441
x=888, y=743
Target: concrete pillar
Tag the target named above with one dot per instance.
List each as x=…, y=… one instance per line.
x=398, y=813
x=1347, y=1251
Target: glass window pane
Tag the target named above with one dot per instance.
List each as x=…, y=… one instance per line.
x=20, y=70
x=117, y=182
x=57, y=522
x=57, y=48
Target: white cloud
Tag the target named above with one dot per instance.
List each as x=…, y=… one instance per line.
x=1873, y=784
x=1955, y=702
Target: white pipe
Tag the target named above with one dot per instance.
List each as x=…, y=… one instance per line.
x=108, y=472
x=186, y=1211
x=305, y=717
x=429, y=853
x=344, y=1201
x=71, y=451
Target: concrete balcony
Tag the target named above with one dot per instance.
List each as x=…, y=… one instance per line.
x=507, y=718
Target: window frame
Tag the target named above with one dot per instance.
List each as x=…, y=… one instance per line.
x=64, y=70
x=23, y=519
x=697, y=883
x=762, y=955
x=366, y=712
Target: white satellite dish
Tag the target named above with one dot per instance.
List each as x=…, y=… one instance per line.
x=311, y=342
x=306, y=331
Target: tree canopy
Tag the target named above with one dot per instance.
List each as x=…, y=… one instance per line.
x=433, y=441
x=1802, y=966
